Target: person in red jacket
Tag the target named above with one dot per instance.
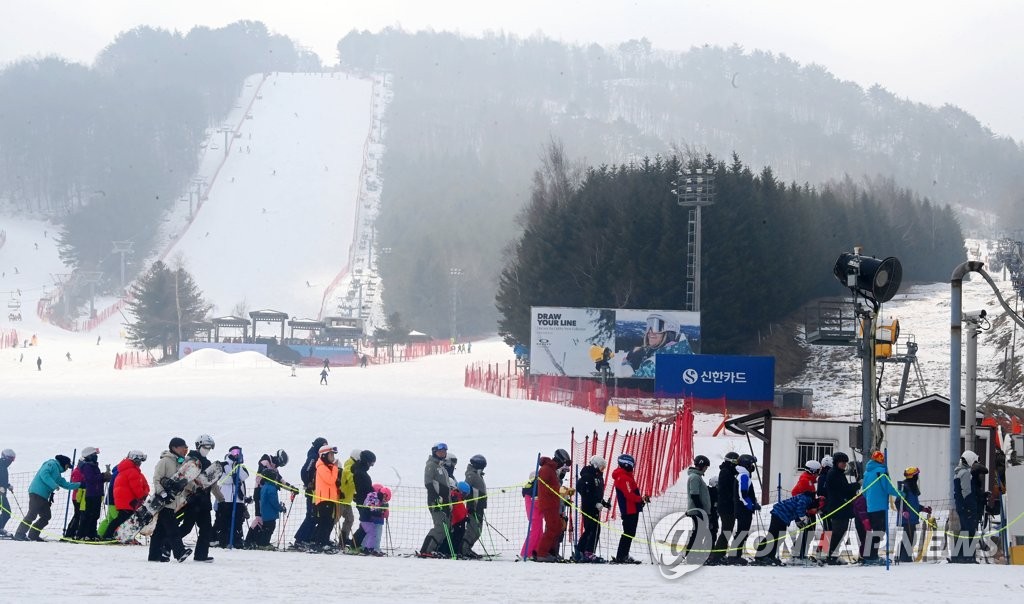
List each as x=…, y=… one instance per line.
x=548, y=503
x=130, y=490
x=807, y=483
x=631, y=503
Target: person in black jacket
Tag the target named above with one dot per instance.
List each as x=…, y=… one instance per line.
x=198, y=507
x=6, y=459
x=364, y=484
x=726, y=487
x=839, y=491
x=590, y=488
x=304, y=535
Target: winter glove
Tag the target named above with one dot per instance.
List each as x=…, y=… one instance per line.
x=927, y=509
x=247, y=501
x=647, y=498
x=599, y=506
x=607, y=503
x=282, y=508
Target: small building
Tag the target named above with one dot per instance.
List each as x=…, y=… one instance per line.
x=783, y=444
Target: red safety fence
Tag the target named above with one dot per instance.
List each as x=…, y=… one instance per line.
x=662, y=451
x=405, y=352
x=502, y=379
x=135, y=358
x=8, y=338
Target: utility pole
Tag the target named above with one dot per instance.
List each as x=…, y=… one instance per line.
x=123, y=247
x=227, y=132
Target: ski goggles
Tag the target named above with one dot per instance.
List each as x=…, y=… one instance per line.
x=656, y=324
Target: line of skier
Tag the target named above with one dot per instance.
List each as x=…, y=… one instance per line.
x=840, y=491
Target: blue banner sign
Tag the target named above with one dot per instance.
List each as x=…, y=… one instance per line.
x=709, y=376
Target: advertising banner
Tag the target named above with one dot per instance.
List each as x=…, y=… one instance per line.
x=591, y=342
x=187, y=348
x=707, y=376
x=315, y=355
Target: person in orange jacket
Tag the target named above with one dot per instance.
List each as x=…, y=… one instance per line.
x=326, y=496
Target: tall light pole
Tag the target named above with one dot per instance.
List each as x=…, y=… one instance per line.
x=455, y=273
x=227, y=131
x=694, y=189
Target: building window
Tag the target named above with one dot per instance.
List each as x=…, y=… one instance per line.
x=812, y=449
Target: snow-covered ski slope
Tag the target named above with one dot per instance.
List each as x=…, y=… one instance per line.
x=277, y=223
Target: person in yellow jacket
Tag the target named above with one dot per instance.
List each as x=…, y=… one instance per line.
x=325, y=496
x=348, y=492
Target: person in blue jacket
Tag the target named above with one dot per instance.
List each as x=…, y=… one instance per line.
x=40, y=496
x=797, y=509
x=877, y=490
x=910, y=509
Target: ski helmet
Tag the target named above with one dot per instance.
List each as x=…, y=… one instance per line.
x=439, y=447
x=562, y=457
x=64, y=461
x=478, y=461
x=319, y=441
x=878, y=456
x=355, y=453
x=812, y=466
x=451, y=460
x=8, y=454
x=732, y=456
x=747, y=461
x=137, y=456
x=826, y=462
x=840, y=457
x=368, y=457
x=176, y=442
x=327, y=449
x=969, y=457
x=911, y=472
x=701, y=462
x=89, y=452
x=598, y=462
x=235, y=454
x=280, y=459
x=464, y=487
x=205, y=441
x=385, y=493
x=626, y=462
x=713, y=481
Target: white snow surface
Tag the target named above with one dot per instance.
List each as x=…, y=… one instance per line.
x=278, y=224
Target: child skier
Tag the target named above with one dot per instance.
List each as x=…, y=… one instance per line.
x=909, y=506
x=92, y=497
x=265, y=496
x=325, y=497
x=459, y=516
x=807, y=483
x=376, y=505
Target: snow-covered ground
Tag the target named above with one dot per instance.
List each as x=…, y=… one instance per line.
x=281, y=211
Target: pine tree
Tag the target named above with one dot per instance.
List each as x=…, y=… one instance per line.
x=162, y=302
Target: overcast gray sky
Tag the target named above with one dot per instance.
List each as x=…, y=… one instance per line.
x=934, y=51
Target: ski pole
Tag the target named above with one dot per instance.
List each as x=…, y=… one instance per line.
x=284, y=525
x=448, y=536
x=234, y=506
x=18, y=503
x=67, y=506
x=484, y=547
x=495, y=529
x=387, y=530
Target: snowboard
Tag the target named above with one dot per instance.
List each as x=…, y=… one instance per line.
x=168, y=489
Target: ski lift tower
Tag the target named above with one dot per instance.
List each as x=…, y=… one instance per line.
x=90, y=278
x=123, y=247
x=694, y=189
